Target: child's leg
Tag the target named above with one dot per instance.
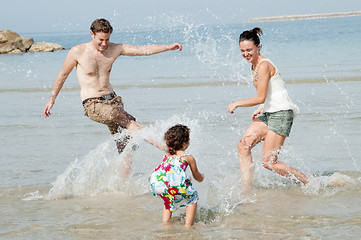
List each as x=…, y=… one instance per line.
x=166, y=215
x=190, y=214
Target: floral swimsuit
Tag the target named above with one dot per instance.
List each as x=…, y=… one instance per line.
x=170, y=181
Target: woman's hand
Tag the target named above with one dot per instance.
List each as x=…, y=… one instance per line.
x=231, y=107
x=256, y=113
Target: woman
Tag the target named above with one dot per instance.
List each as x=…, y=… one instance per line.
x=272, y=121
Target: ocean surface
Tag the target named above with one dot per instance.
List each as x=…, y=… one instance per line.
x=61, y=176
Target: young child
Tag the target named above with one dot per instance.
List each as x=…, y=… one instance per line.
x=170, y=181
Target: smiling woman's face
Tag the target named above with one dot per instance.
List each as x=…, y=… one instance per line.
x=249, y=50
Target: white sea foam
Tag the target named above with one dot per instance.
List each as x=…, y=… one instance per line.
x=330, y=185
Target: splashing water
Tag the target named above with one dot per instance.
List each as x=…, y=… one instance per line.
x=102, y=170
x=99, y=171
x=330, y=185
x=214, y=46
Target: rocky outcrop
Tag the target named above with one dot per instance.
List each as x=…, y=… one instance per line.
x=45, y=47
x=11, y=42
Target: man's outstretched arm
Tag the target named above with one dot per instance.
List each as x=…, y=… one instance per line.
x=130, y=50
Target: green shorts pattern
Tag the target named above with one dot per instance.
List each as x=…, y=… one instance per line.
x=279, y=122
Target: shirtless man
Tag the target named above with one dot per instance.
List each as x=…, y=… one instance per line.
x=93, y=62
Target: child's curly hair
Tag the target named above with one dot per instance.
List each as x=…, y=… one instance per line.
x=176, y=137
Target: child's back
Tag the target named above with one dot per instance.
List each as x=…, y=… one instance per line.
x=170, y=181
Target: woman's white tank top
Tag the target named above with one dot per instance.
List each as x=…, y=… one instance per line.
x=277, y=96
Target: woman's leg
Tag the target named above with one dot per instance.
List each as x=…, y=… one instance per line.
x=190, y=214
x=271, y=149
x=255, y=133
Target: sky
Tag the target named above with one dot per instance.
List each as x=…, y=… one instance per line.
x=76, y=15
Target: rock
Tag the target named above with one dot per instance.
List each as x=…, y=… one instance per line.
x=45, y=47
x=2, y=39
x=18, y=43
x=27, y=43
x=11, y=42
x=7, y=35
x=16, y=51
x=6, y=47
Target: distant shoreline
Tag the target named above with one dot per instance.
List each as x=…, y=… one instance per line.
x=304, y=17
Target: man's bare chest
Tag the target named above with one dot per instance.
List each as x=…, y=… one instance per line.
x=95, y=65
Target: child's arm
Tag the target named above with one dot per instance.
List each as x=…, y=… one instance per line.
x=193, y=165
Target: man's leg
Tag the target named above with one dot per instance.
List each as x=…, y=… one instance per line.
x=134, y=126
x=121, y=143
x=112, y=114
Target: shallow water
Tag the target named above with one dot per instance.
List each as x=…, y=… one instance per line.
x=61, y=176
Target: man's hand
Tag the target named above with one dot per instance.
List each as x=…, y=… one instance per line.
x=175, y=46
x=48, y=106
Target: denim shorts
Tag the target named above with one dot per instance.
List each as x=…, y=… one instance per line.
x=279, y=122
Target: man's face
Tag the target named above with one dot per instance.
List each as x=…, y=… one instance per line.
x=100, y=40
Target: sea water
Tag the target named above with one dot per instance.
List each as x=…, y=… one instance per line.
x=61, y=177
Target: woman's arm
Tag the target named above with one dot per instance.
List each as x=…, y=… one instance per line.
x=263, y=75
